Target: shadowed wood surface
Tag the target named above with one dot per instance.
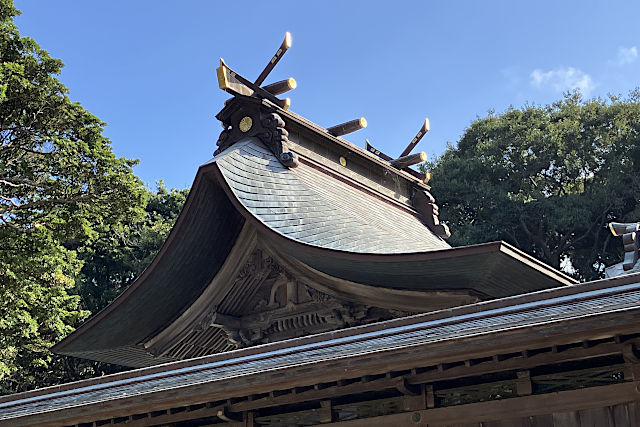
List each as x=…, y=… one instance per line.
x=591, y=311
x=186, y=263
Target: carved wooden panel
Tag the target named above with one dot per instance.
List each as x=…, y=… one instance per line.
x=266, y=304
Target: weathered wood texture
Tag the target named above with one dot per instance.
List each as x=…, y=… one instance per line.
x=607, y=406
x=421, y=133
x=331, y=226
x=282, y=86
x=284, y=47
x=591, y=315
x=409, y=160
x=419, y=175
x=347, y=127
x=191, y=257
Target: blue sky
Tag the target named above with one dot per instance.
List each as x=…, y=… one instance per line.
x=147, y=68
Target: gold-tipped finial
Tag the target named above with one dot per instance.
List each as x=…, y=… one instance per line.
x=287, y=40
x=286, y=44
x=422, y=132
x=223, y=83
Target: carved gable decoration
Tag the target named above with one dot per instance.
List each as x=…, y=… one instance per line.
x=266, y=304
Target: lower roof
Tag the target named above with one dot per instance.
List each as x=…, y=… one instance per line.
x=542, y=315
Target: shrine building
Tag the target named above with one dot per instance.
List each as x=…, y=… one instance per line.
x=309, y=281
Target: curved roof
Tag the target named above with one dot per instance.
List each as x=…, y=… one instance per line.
x=306, y=205
x=313, y=218
x=344, y=229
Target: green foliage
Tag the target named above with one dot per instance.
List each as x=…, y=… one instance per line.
x=36, y=309
x=105, y=266
x=546, y=179
x=113, y=261
x=61, y=191
x=57, y=171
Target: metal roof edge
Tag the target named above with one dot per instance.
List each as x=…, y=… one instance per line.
x=583, y=291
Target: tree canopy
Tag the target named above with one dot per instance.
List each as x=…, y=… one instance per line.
x=109, y=264
x=76, y=224
x=546, y=179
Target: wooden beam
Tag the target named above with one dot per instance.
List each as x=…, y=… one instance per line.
x=174, y=417
x=284, y=47
x=407, y=389
x=282, y=86
x=318, y=394
x=422, y=132
x=409, y=384
x=517, y=407
x=370, y=148
x=555, y=333
x=234, y=84
x=326, y=412
x=419, y=175
x=524, y=387
x=348, y=127
x=226, y=415
x=409, y=160
x=430, y=396
x=500, y=364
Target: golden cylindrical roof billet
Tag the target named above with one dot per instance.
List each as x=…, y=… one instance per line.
x=348, y=127
x=286, y=44
x=284, y=103
x=281, y=87
x=411, y=159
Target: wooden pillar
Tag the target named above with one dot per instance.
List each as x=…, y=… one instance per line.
x=523, y=383
x=631, y=362
x=326, y=411
x=430, y=396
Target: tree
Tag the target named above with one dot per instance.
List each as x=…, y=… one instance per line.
x=61, y=188
x=110, y=263
x=547, y=180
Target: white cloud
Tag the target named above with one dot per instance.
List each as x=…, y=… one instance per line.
x=626, y=55
x=562, y=79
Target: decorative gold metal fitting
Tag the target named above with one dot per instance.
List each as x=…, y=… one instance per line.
x=245, y=124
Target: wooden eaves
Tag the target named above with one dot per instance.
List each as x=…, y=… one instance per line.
x=415, y=356
x=219, y=208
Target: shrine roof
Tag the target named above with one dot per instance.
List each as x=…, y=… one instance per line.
x=594, y=310
x=354, y=224
x=351, y=237
x=315, y=205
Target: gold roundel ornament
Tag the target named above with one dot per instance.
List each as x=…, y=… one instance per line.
x=245, y=124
